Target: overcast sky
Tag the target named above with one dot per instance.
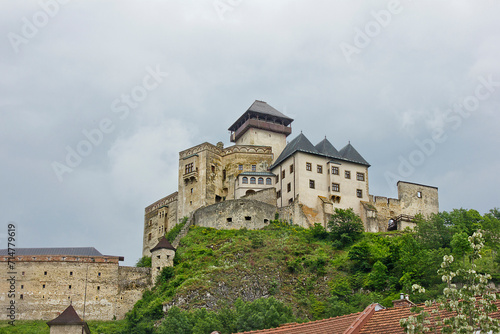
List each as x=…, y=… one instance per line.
x=413, y=85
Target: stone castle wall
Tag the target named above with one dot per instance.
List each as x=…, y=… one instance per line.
x=235, y=214
x=46, y=285
x=267, y=196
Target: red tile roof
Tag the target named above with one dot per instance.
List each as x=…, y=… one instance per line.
x=373, y=320
x=339, y=325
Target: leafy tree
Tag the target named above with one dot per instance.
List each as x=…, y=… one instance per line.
x=144, y=261
x=435, y=232
x=378, y=277
x=345, y=227
x=165, y=274
x=469, y=305
x=460, y=245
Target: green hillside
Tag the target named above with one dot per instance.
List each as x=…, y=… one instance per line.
x=236, y=280
x=312, y=273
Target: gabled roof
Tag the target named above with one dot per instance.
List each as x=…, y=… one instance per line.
x=71, y=251
x=261, y=108
x=68, y=317
x=339, y=325
x=327, y=148
x=163, y=244
x=349, y=153
x=298, y=144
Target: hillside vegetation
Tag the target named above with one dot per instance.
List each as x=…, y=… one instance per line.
x=237, y=280
x=311, y=273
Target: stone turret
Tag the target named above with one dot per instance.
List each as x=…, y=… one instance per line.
x=162, y=255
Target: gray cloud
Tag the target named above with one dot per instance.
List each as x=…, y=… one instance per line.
x=397, y=90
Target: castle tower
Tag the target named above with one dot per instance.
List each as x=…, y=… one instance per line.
x=262, y=125
x=162, y=255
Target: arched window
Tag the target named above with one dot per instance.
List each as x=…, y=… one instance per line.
x=268, y=181
x=261, y=180
x=252, y=180
x=245, y=180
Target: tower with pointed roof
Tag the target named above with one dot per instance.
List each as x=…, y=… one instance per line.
x=262, y=125
x=162, y=255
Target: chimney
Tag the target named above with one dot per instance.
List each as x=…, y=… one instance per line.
x=403, y=301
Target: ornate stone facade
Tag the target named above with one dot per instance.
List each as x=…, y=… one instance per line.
x=302, y=182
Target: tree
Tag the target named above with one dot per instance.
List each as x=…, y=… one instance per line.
x=345, y=227
x=144, y=261
x=469, y=305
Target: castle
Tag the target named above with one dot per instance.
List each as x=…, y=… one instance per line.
x=243, y=185
x=246, y=184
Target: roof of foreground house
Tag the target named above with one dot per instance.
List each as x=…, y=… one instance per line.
x=69, y=317
x=339, y=325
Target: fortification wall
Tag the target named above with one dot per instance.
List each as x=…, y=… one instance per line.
x=46, y=287
x=266, y=195
x=235, y=214
x=132, y=281
x=418, y=199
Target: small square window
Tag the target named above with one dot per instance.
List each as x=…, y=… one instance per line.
x=359, y=193
x=290, y=201
x=69, y=287
x=308, y=166
x=43, y=286
x=22, y=286
x=254, y=168
x=335, y=187
x=45, y=273
x=98, y=288
x=360, y=176
x=70, y=273
x=347, y=174
x=335, y=170
x=240, y=167
x=319, y=169
x=419, y=194
x=289, y=187
x=21, y=297
x=311, y=184
x=99, y=274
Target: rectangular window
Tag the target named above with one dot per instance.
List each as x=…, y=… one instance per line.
x=360, y=176
x=45, y=273
x=188, y=168
x=278, y=194
x=290, y=201
x=289, y=187
x=311, y=184
x=335, y=187
x=320, y=169
x=347, y=174
x=224, y=174
x=43, y=286
x=308, y=166
x=240, y=167
x=335, y=170
x=359, y=193
x=419, y=194
x=282, y=174
x=254, y=168
x=291, y=168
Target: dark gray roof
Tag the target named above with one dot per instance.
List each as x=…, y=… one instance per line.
x=298, y=144
x=257, y=174
x=69, y=317
x=349, y=153
x=261, y=108
x=327, y=148
x=73, y=251
x=163, y=243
